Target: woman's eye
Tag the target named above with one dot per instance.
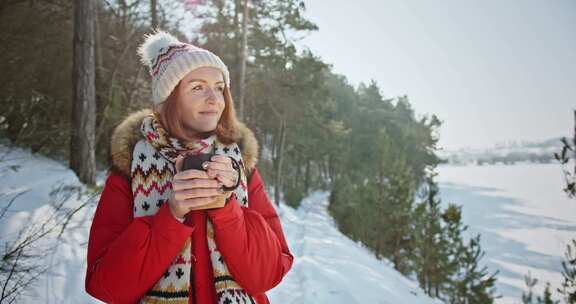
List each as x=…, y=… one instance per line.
x=198, y=87
x=221, y=89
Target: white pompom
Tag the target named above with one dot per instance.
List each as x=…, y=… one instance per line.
x=154, y=44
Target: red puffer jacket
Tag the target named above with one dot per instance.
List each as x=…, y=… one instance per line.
x=126, y=256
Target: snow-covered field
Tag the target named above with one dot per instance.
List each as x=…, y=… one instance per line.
x=328, y=268
x=525, y=219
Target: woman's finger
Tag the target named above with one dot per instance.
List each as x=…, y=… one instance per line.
x=191, y=173
x=195, y=183
x=229, y=174
x=228, y=178
x=197, y=193
x=198, y=202
x=221, y=159
x=178, y=163
x=218, y=166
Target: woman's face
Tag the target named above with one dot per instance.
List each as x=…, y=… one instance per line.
x=201, y=98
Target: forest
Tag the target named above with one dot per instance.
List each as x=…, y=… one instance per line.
x=71, y=74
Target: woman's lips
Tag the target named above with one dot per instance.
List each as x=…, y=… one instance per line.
x=208, y=113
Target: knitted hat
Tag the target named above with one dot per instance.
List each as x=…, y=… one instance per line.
x=169, y=60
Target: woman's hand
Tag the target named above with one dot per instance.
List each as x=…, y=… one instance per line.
x=220, y=167
x=191, y=189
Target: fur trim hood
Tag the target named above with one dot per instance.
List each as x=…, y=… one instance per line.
x=127, y=134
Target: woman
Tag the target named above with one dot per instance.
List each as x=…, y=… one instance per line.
x=156, y=236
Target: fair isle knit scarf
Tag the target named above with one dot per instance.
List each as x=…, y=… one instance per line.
x=151, y=170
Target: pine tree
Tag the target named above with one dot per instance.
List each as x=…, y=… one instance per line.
x=566, y=157
x=447, y=267
x=468, y=283
x=547, y=298
x=393, y=211
x=528, y=298
x=568, y=289
x=453, y=231
x=475, y=285
x=431, y=253
x=343, y=205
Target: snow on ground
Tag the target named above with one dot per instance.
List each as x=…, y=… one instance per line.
x=39, y=183
x=524, y=217
x=328, y=267
x=331, y=268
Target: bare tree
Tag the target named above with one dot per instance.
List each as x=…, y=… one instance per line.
x=82, y=143
x=242, y=59
x=153, y=14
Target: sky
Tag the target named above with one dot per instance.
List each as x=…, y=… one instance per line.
x=493, y=71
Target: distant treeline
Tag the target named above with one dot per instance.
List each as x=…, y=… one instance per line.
x=507, y=159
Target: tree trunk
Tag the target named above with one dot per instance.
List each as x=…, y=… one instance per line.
x=331, y=168
x=396, y=253
x=234, y=74
x=307, y=176
x=279, y=159
x=242, y=61
x=82, y=156
x=153, y=14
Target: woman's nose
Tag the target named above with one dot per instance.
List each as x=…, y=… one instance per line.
x=210, y=95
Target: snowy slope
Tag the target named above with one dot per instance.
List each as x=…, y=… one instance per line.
x=35, y=177
x=329, y=268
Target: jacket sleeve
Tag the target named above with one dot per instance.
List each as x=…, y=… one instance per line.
x=251, y=240
x=126, y=256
